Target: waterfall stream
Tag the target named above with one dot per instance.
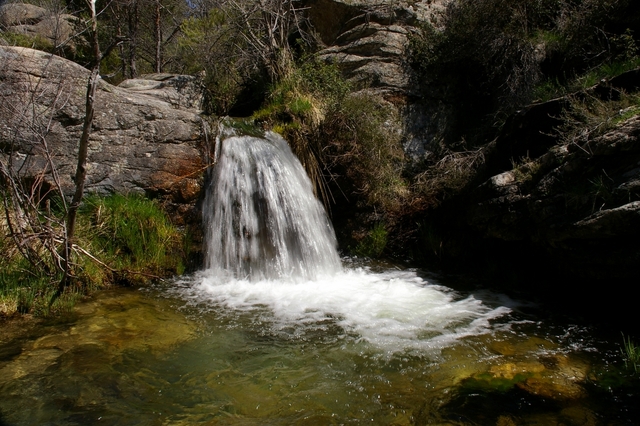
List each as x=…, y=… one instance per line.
x=262, y=220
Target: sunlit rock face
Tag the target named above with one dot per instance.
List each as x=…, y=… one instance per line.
x=368, y=41
x=141, y=142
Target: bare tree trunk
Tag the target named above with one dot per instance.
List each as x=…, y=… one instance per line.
x=133, y=38
x=158, y=37
x=81, y=171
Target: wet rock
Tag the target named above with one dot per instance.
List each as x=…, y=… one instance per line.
x=105, y=329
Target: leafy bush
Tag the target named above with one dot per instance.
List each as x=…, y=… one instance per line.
x=365, y=146
x=374, y=243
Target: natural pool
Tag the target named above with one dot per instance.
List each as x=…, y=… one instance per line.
x=374, y=345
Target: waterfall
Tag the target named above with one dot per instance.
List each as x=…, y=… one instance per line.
x=261, y=217
x=271, y=252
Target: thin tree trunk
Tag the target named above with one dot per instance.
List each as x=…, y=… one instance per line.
x=133, y=38
x=158, y=37
x=81, y=170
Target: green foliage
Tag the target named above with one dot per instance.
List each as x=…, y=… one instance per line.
x=204, y=46
x=589, y=116
x=131, y=241
x=297, y=107
x=365, y=146
x=305, y=95
x=373, y=244
x=484, y=58
x=630, y=353
x=133, y=235
x=37, y=42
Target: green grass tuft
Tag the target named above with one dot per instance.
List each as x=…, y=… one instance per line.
x=131, y=238
x=373, y=244
x=630, y=353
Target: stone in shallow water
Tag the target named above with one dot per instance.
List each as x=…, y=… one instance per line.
x=106, y=327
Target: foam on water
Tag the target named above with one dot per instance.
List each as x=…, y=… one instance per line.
x=393, y=310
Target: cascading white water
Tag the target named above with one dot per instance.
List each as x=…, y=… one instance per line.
x=271, y=245
x=262, y=219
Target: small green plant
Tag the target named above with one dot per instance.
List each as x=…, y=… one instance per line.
x=374, y=243
x=630, y=353
x=525, y=170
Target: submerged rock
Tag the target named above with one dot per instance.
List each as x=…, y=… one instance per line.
x=107, y=327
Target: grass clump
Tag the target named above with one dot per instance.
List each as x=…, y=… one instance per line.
x=133, y=236
x=37, y=41
x=588, y=117
x=630, y=353
x=120, y=240
x=297, y=105
x=373, y=244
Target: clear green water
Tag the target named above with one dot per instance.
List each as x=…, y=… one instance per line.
x=146, y=357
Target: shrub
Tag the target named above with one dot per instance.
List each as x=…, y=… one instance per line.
x=374, y=243
x=365, y=146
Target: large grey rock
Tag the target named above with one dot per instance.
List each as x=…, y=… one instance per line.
x=181, y=91
x=368, y=41
x=56, y=27
x=139, y=143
